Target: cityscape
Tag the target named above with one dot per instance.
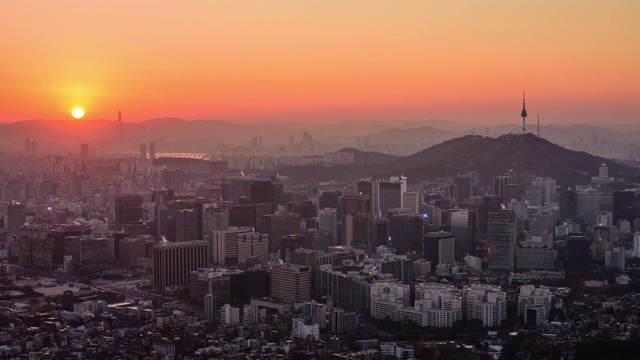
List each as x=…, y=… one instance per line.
x=238, y=203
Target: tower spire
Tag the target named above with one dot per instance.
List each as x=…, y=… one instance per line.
x=523, y=114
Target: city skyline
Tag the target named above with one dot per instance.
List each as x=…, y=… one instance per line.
x=288, y=61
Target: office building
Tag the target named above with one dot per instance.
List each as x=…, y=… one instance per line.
x=277, y=226
x=438, y=248
x=502, y=235
x=173, y=261
x=463, y=228
x=615, y=258
x=212, y=281
x=405, y=232
x=224, y=245
x=411, y=201
x=328, y=221
x=253, y=245
x=499, y=183
x=291, y=283
x=390, y=194
x=16, y=216
x=577, y=253
x=143, y=151
x=587, y=206
x=214, y=219
x=623, y=206
x=152, y=150
x=371, y=189
x=130, y=250
x=265, y=190
x=289, y=243
x=128, y=208
x=172, y=180
x=186, y=221
x=359, y=231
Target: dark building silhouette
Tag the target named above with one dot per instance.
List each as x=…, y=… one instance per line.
x=17, y=216
x=568, y=205
x=267, y=191
x=186, y=225
x=577, y=253
x=152, y=150
x=128, y=208
x=405, y=231
x=329, y=199
x=464, y=185
x=242, y=215
x=289, y=243
x=172, y=180
x=489, y=204
x=463, y=228
x=623, y=206
x=278, y=226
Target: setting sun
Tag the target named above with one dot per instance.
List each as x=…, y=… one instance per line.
x=77, y=113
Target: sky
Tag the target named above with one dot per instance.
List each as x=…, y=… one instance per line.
x=270, y=61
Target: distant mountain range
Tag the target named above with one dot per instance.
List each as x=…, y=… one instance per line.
x=488, y=155
x=417, y=133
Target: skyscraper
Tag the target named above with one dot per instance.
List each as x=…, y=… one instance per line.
x=128, y=208
x=502, y=235
x=186, y=225
x=405, y=231
x=143, y=151
x=17, y=216
x=223, y=248
x=577, y=253
x=463, y=228
x=253, y=245
x=152, y=150
x=438, y=248
x=588, y=206
x=172, y=180
x=119, y=129
x=173, y=261
x=277, y=226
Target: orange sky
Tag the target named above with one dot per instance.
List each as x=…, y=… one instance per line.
x=321, y=60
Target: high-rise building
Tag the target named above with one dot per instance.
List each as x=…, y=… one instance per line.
x=130, y=250
x=636, y=245
x=329, y=199
x=411, y=201
x=499, y=183
x=405, y=231
x=172, y=180
x=119, y=135
x=214, y=219
x=173, y=261
x=17, y=216
x=577, y=253
x=438, y=248
x=502, y=235
x=370, y=188
x=265, y=190
x=463, y=228
x=289, y=243
x=623, y=206
x=464, y=184
x=615, y=258
x=291, y=283
x=186, y=225
x=253, y=245
x=128, y=208
x=143, y=151
x=152, y=150
x=359, y=231
x=277, y=226
x=587, y=203
x=328, y=221
x=223, y=248
x=568, y=205
x=489, y=204
x=391, y=194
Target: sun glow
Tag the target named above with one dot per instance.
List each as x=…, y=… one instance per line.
x=77, y=113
